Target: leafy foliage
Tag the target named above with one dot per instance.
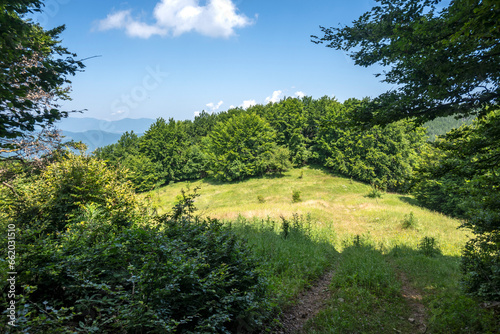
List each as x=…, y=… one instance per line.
x=460, y=314
x=461, y=177
x=410, y=221
x=167, y=143
x=142, y=171
x=429, y=247
x=49, y=202
x=243, y=146
x=443, y=62
x=34, y=68
x=165, y=153
x=382, y=156
x=442, y=125
x=269, y=139
x=296, y=196
x=92, y=259
x=289, y=118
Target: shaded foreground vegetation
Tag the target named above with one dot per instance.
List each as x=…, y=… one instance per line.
x=124, y=268
x=90, y=256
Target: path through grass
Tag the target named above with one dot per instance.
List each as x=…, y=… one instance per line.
x=373, y=274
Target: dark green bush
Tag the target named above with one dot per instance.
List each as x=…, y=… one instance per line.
x=296, y=196
x=93, y=268
x=429, y=247
x=481, y=267
x=410, y=221
x=182, y=276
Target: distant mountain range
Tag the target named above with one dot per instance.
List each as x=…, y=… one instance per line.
x=74, y=124
x=98, y=133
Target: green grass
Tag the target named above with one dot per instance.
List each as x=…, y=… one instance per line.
x=294, y=252
x=366, y=296
x=291, y=260
x=333, y=203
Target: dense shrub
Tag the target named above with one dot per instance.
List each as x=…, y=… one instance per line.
x=50, y=201
x=91, y=259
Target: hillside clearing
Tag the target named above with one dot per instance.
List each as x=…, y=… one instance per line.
x=394, y=255
x=333, y=203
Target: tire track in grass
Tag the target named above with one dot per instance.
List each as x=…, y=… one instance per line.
x=309, y=304
x=414, y=300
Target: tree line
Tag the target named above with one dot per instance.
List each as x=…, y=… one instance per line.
x=269, y=139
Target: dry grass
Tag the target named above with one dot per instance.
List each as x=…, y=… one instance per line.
x=334, y=203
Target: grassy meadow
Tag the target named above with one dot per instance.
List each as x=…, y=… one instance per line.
x=338, y=207
x=396, y=265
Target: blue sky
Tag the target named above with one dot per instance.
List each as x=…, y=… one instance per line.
x=172, y=58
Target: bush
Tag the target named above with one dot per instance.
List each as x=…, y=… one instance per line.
x=429, y=247
x=296, y=196
x=105, y=269
x=481, y=268
x=261, y=199
x=410, y=221
x=49, y=202
x=375, y=192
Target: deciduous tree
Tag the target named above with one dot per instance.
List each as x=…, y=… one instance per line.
x=34, y=71
x=443, y=62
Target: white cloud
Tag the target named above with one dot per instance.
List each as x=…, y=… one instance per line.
x=124, y=20
x=115, y=21
x=248, y=103
x=196, y=113
x=300, y=94
x=217, y=18
x=213, y=107
x=276, y=97
x=119, y=112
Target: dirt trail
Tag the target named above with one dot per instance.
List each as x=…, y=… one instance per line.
x=309, y=303
x=414, y=299
x=312, y=301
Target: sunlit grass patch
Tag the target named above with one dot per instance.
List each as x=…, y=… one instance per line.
x=291, y=254
x=337, y=209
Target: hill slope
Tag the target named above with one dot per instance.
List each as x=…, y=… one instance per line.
x=334, y=203
x=358, y=265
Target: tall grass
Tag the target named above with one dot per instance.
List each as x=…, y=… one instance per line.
x=291, y=255
x=298, y=241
